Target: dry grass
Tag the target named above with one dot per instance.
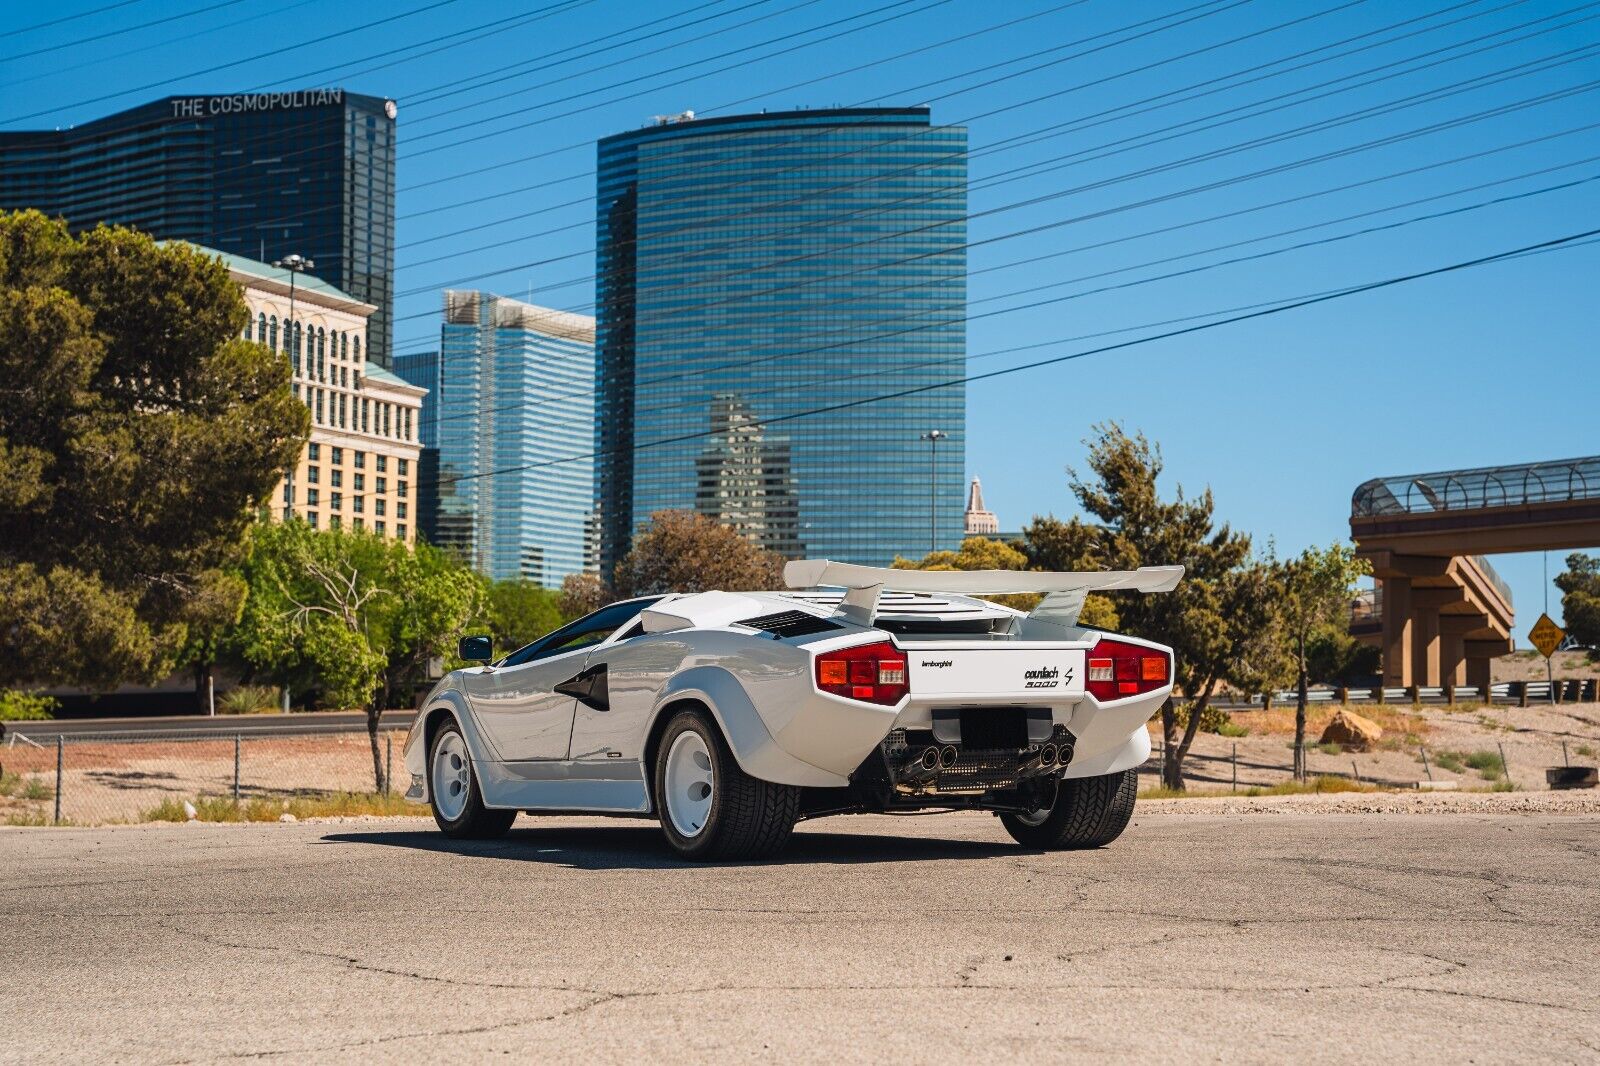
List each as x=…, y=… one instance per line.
x=337, y=804
x=1399, y=721
x=1321, y=785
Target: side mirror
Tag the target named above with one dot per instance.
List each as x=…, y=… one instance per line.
x=476, y=649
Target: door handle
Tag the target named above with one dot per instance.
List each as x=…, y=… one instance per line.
x=588, y=687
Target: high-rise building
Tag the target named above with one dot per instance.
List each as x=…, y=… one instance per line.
x=754, y=268
x=361, y=467
x=260, y=175
x=980, y=521
x=511, y=415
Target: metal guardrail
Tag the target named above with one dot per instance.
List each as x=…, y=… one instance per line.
x=1488, y=486
x=1522, y=693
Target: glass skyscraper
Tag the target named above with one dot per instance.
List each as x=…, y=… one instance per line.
x=259, y=175
x=753, y=268
x=510, y=419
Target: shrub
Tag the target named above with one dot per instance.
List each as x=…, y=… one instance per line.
x=25, y=707
x=1585, y=750
x=1212, y=720
x=1230, y=728
x=249, y=699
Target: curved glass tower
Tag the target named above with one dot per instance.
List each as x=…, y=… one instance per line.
x=753, y=269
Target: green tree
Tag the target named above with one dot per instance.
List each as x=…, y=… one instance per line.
x=360, y=614
x=1317, y=587
x=1580, y=599
x=521, y=611
x=981, y=553
x=685, y=552
x=138, y=436
x=1214, y=621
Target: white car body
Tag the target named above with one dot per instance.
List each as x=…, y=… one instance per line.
x=751, y=660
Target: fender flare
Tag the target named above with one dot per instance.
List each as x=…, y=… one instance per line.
x=415, y=752
x=746, y=732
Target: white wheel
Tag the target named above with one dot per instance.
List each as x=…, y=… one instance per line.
x=452, y=776
x=690, y=783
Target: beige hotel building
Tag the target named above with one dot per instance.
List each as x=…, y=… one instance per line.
x=360, y=466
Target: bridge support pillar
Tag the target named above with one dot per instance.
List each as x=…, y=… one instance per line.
x=1425, y=645
x=1478, y=674
x=1396, y=631
x=1452, y=658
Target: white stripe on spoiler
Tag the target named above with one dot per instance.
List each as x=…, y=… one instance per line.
x=1064, y=592
x=811, y=573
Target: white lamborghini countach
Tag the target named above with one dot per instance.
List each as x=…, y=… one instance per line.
x=731, y=716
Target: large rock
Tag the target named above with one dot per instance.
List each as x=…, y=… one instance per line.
x=1352, y=732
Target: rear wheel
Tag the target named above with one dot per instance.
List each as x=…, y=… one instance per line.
x=453, y=791
x=1088, y=812
x=709, y=807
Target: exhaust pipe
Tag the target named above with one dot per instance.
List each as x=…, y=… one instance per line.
x=930, y=759
x=947, y=757
x=1048, y=755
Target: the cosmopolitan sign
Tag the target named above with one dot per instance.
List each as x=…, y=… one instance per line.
x=199, y=106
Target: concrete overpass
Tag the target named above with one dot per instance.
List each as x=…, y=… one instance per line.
x=1442, y=613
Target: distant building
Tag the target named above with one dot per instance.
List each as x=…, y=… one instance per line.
x=980, y=522
x=265, y=175
x=513, y=422
x=360, y=468
x=753, y=268
x=424, y=370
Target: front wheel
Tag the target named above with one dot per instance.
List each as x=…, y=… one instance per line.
x=709, y=807
x=1088, y=812
x=453, y=791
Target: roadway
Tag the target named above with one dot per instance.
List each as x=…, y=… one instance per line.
x=1244, y=937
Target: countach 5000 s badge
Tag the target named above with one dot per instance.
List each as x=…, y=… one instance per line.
x=1047, y=677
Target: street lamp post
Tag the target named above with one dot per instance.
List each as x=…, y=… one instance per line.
x=294, y=264
x=933, y=437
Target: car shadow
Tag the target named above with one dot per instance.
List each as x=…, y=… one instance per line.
x=642, y=847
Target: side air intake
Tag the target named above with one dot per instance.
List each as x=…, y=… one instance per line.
x=791, y=624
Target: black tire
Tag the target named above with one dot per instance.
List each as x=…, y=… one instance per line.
x=1088, y=812
x=748, y=818
x=476, y=822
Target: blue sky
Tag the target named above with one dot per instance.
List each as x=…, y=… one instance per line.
x=1282, y=417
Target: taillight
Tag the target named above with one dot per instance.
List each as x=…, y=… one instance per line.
x=1118, y=670
x=872, y=673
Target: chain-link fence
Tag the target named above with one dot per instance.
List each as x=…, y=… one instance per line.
x=100, y=778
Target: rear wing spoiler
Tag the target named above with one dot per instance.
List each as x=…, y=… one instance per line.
x=1064, y=592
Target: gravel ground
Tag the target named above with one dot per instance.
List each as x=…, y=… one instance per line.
x=1531, y=737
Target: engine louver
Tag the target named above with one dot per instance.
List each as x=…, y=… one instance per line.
x=791, y=624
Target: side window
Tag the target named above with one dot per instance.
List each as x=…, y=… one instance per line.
x=590, y=629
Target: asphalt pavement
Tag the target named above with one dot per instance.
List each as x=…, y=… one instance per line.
x=1246, y=937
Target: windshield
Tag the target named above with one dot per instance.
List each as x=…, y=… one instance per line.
x=590, y=629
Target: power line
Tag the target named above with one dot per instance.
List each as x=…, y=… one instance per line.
x=69, y=18
x=213, y=5
x=432, y=5
x=1207, y=156
x=472, y=202
x=549, y=260
x=1031, y=169
x=968, y=318
x=122, y=53
x=1541, y=246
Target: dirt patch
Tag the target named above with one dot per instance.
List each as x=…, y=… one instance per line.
x=1531, y=738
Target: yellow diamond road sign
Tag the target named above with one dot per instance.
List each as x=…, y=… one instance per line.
x=1546, y=636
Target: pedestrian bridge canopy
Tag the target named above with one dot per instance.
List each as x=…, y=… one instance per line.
x=1485, y=487
x=1445, y=612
